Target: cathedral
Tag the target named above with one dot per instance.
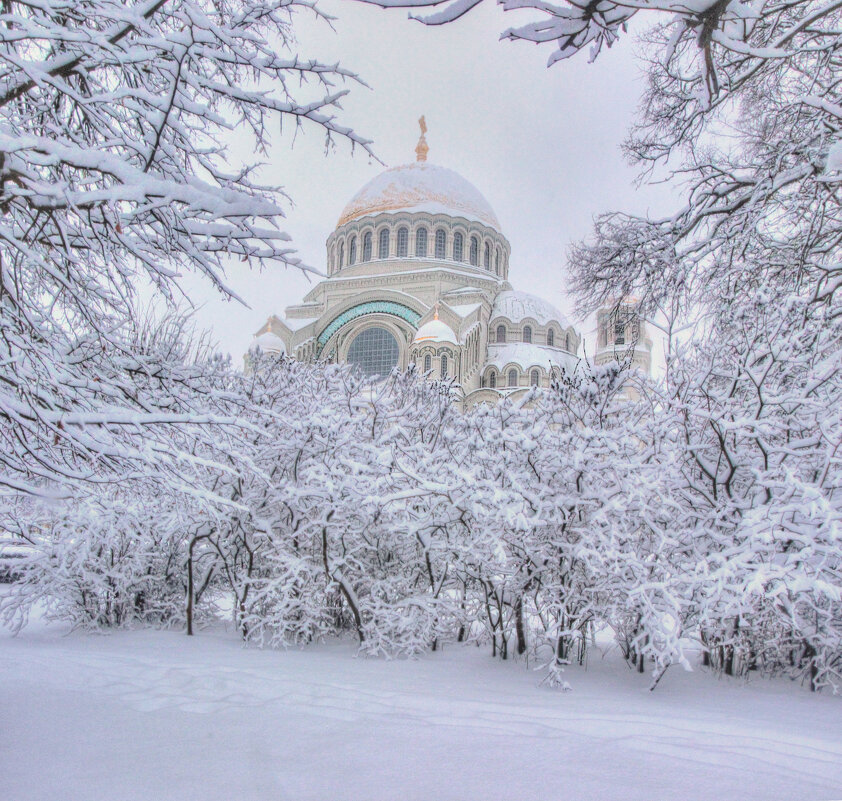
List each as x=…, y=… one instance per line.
x=418, y=272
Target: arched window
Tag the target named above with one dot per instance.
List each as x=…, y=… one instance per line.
x=475, y=251
x=567, y=342
x=486, y=259
x=457, y=246
x=383, y=244
x=501, y=334
x=497, y=261
x=367, y=246
x=492, y=380
x=374, y=351
x=403, y=242
x=444, y=366
x=441, y=244
x=527, y=334
x=421, y=242
x=551, y=338
x=534, y=378
x=341, y=255
x=428, y=363
x=352, y=250
x=512, y=378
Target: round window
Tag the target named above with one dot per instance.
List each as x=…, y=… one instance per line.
x=374, y=351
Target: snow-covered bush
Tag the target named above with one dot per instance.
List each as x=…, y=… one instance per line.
x=100, y=564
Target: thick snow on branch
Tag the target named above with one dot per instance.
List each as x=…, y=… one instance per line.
x=114, y=175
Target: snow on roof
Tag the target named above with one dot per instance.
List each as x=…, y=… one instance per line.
x=456, y=268
x=526, y=354
x=464, y=311
x=269, y=343
x=517, y=306
x=420, y=187
x=297, y=323
x=435, y=331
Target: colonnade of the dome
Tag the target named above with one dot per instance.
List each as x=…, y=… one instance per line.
x=418, y=236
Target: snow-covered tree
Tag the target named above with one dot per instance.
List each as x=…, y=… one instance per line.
x=114, y=176
x=742, y=113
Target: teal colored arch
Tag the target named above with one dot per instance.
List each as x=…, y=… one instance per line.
x=370, y=307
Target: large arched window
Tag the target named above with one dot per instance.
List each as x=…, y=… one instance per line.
x=444, y=366
x=551, y=338
x=492, y=380
x=497, y=261
x=341, y=255
x=403, y=242
x=501, y=334
x=458, y=246
x=428, y=363
x=421, y=243
x=441, y=244
x=475, y=251
x=486, y=259
x=374, y=351
x=534, y=378
x=512, y=377
x=527, y=334
x=352, y=250
x=383, y=244
x=567, y=342
x=367, y=246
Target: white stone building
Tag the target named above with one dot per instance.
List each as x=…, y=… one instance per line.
x=623, y=336
x=418, y=271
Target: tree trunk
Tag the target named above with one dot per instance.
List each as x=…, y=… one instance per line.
x=190, y=587
x=190, y=593
x=521, y=634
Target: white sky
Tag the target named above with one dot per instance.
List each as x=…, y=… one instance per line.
x=542, y=145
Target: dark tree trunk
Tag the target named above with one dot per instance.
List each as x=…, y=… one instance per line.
x=519, y=627
x=810, y=654
x=190, y=593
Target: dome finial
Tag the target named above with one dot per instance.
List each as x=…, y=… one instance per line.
x=421, y=149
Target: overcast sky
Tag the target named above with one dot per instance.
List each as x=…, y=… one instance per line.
x=542, y=145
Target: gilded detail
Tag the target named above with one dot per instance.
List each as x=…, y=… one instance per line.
x=395, y=198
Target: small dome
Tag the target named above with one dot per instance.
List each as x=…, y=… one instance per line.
x=517, y=306
x=420, y=187
x=269, y=343
x=435, y=331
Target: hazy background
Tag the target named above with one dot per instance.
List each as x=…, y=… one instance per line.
x=542, y=145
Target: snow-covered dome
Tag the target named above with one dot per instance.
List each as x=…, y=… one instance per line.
x=420, y=187
x=516, y=306
x=435, y=331
x=269, y=343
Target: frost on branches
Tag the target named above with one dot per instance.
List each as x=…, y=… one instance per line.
x=113, y=177
x=339, y=507
x=743, y=113
x=702, y=518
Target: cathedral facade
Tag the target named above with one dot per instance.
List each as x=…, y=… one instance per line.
x=418, y=272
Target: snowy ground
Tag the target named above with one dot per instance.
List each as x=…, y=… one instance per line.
x=156, y=715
